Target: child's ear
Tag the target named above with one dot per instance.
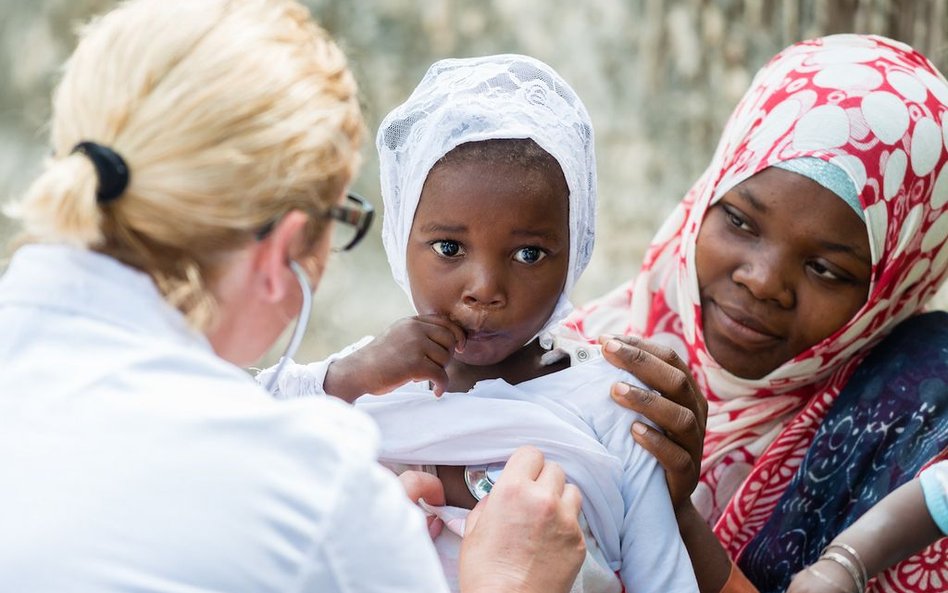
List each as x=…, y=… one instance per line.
x=272, y=265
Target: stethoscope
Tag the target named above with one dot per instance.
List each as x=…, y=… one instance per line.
x=301, y=323
x=480, y=479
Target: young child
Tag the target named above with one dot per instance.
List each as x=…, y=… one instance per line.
x=909, y=519
x=489, y=184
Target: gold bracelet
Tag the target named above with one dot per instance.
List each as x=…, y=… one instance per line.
x=850, y=567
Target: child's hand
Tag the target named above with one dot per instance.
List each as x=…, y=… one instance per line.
x=411, y=349
x=824, y=576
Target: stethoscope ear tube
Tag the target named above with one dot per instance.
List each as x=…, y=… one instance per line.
x=301, y=322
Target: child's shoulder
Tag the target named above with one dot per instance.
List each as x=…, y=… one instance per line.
x=588, y=378
x=586, y=362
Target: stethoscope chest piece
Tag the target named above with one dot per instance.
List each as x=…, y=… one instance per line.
x=480, y=479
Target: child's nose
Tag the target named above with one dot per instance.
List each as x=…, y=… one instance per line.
x=485, y=290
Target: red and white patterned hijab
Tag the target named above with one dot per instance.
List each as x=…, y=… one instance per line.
x=877, y=109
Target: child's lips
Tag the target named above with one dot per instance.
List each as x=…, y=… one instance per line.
x=474, y=329
x=480, y=335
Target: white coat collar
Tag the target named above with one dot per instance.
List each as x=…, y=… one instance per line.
x=86, y=283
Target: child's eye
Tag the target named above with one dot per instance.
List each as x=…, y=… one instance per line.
x=447, y=248
x=529, y=255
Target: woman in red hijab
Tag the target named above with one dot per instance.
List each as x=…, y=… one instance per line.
x=792, y=281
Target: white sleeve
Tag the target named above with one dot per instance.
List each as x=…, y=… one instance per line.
x=654, y=557
x=377, y=541
x=934, y=482
x=302, y=380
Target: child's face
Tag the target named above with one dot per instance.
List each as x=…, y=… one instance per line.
x=782, y=264
x=489, y=249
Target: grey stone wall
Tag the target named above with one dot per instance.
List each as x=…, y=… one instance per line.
x=658, y=76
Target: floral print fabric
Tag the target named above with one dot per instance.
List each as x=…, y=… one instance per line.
x=877, y=109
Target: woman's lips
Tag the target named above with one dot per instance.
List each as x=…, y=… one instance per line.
x=741, y=329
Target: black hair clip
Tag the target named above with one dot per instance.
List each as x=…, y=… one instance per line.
x=110, y=169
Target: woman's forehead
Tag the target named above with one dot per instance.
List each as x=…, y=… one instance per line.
x=801, y=206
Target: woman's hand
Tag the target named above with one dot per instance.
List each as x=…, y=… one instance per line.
x=674, y=403
x=524, y=537
x=411, y=349
x=824, y=576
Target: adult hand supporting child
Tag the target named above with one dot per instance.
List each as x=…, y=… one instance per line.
x=530, y=503
x=674, y=403
x=411, y=349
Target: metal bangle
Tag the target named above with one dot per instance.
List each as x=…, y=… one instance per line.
x=850, y=567
x=855, y=556
x=812, y=570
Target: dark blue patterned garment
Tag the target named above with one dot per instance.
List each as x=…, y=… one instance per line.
x=889, y=420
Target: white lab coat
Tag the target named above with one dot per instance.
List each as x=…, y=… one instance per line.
x=132, y=458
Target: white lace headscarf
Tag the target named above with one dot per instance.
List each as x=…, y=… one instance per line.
x=487, y=98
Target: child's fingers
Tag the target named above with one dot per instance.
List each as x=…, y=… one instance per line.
x=438, y=354
x=435, y=373
x=454, y=340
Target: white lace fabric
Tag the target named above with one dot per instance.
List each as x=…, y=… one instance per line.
x=487, y=98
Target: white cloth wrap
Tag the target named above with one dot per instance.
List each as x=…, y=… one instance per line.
x=495, y=424
x=474, y=99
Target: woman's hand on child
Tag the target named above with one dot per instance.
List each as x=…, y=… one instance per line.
x=674, y=403
x=412, y=349
x=524, y=537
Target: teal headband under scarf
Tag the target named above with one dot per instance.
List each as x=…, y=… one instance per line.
x=830, y=176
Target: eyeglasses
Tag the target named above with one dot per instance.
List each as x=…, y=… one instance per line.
x=355, y=215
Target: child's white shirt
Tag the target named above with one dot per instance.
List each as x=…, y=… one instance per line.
x=934, y=481
x=568, y=415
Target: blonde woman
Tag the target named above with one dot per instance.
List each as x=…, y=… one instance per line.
x=201, y=157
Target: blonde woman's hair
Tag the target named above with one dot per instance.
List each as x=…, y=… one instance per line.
x=229, y=113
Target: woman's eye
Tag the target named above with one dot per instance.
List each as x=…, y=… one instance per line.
x=824, y=272
x=529, y=255
x=736, y=220
x=447, y=248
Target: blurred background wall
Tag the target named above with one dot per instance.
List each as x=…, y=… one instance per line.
x=658, y=76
